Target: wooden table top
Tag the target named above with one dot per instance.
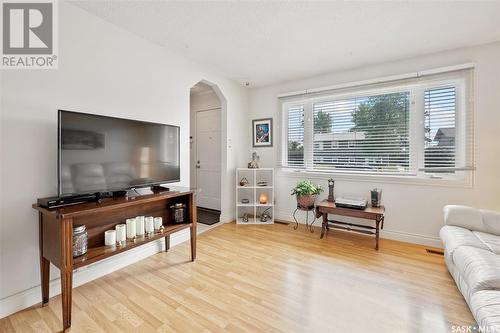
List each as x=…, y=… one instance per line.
x=330, y=207
x=111, y=203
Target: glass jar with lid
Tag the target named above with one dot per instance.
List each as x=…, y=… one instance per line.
x=79, y=240
x=178, y=213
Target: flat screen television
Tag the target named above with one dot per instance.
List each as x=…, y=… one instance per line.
x=99, y=154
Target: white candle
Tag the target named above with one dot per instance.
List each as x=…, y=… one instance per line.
x=131, y=228
x=158, y=221
x=149, y=224
x=121, y=233
x=110, y=238
x=139, y=220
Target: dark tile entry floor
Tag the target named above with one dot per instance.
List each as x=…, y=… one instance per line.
x=208, y=216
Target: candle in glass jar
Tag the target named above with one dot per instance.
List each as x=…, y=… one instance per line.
x=110, y=238
x=121, y=233
x=139, y=220
x=158, y=221
x=149, y=225
x=131, y=228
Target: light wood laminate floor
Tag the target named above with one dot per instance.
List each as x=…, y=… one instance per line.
x=266, y=279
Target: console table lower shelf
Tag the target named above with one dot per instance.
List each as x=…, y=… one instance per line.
x=56, y=234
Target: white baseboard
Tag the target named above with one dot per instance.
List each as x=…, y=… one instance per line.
x=387, y=234
x=32, y=296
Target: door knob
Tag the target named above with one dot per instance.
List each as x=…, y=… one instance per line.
x=198, y=166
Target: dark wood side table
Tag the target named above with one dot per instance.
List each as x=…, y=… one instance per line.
x=375, y=214
x=56, y=234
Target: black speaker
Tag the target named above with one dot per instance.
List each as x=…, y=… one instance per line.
x=376, y=195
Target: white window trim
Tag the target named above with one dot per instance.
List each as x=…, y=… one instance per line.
x=464, y=113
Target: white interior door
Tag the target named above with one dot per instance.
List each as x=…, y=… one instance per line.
x=207, y=162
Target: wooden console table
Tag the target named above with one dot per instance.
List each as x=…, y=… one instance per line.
x=375, y=214
x=56, y=234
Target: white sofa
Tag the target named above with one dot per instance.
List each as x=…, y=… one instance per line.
x=471, y=239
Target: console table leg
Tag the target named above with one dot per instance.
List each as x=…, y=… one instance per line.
x=167, y=243
x=193, y=242
x=377, y=233
x=66, y=290
x=44, y=264
x=44, y=274
x=324, y=225
x=66, y=271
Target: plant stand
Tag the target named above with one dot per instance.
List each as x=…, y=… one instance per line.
x=307, y=210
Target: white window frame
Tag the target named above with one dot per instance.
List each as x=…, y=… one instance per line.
x=463, y=84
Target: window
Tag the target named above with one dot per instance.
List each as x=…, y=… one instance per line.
x=296, y=136
x=440, y=129
x=418, y=127
x=371, y=131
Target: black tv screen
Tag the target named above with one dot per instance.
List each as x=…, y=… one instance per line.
x=98, y=153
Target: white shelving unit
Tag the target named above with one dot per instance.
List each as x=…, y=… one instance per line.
x=252, y=192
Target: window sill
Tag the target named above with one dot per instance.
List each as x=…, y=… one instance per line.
x=466, y=182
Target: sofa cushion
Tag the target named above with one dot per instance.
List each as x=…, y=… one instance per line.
x=479, y=268
x=463, y=216
x=453, y=237
x=490, y=240
x=486, y=307
x=491, y=221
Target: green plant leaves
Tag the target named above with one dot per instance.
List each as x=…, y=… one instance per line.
x=306, y=187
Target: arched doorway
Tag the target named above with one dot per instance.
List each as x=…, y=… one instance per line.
x=207, y=152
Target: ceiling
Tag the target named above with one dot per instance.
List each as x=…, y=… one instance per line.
x=268, y=42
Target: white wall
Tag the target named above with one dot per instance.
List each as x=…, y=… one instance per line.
x=413, y=212
x=105, y=70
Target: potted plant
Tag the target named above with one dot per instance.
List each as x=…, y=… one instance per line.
x=305, y=192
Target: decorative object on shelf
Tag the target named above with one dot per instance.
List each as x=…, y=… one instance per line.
x=149, y=226
x=331, y=185
x=158, y=222
x=178, y=212
x=244, y=181
x=80, y=240
x=121, y=234
x=305, y=192
x=263, y=198
x=265, y=215
x=262, y=132
x=110, y=238
x=244, y=218
x=376, y=196
x=254, y=163
x=131, y=228
x=262, y=183
x=245, y=201
x=139, y=222
x=162, y=229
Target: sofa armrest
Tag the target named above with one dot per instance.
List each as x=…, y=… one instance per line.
x=463, y=216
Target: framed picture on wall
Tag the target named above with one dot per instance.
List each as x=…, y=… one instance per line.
x=262, y=132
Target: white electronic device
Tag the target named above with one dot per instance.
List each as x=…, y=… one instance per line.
x=354, y=203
